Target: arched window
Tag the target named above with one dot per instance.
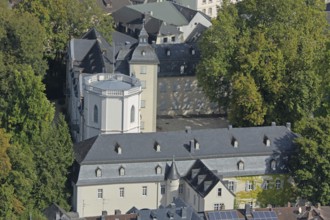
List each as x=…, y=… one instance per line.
x=273, y=164
x=158, y=169
x=132, y=114
x=98, y=172
x=240, y=165
x=121, y=171
x=96, y=114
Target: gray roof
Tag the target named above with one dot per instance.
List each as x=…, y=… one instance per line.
x=215, y=149
x=202, y=179
x=173, y=173
x=213, y=143
x=177, y=210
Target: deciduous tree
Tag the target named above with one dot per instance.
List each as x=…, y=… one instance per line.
x=278, y=43
x=310, y=165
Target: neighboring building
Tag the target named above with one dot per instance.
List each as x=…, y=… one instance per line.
x=208, y=7
x=211, y=167
x=165, y=22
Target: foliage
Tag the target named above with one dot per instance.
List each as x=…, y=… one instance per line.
x=310, y=165
x=22, y=40
x=53, y=155
x=247, y=107
x=63, y=19
x=24, y=106
x=280, y=44
x=42, y=149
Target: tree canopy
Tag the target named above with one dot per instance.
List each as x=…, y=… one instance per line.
x=280, y=45
x=64, y=19
x=310, y=165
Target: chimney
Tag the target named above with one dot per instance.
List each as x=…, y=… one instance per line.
x=248, y=210
x=273, y=123
x=188, y=129
x=184, y=212
x=288, y=125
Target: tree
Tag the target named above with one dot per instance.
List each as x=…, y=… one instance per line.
x=64, y=19
x=22, y=40
x=247, y=108
x=280, y=44
x=310, y=165
x=54, y=156
x=24, y=107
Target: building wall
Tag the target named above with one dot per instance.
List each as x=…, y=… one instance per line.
x=88, y=203
x=182, y=96
x=147, y=73
x=193, y=198
x=226, y=198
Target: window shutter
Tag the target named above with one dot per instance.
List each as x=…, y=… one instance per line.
x=235, y=186
x=247, y=186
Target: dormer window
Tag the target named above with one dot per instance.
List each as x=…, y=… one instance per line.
x=234, y=142
x=98, y=172
x=273, y=164
x=193, y=51
x=267, y=141
x=121, y=171
x=158, y=169
x=157, y=147
x=240, y=165
x=181, y=69
x=143, y=53
x=194, y=144
x=118, y=149
x=168, y=52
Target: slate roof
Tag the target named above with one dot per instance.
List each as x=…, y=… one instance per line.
x=180, y=56
x=214, y=143
x=201, y=179
x=177, y=210
x=173, y=173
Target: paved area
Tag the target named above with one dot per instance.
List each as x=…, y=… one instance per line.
x=197, y=122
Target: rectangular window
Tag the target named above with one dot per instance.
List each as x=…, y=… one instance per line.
x=219, y=191
x=204, y=2
x=143, y=84
x=143, y=103
x=266, y=184
x=144, y=190
x=231, y=186
x=100, y=193
x=173, y=39
x=162, y=189
x=142, y=125
x=210, y=11
x=248, y=186
x=121, y=192
x=216, y=207
x=143, y=69
x=165, y=40
x=180, y=188
x=278, y=184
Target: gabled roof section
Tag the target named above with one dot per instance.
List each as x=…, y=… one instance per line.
x=216, y=142
x=188, y=13
x=164, y=11
x=82, y=148
x=201, y=179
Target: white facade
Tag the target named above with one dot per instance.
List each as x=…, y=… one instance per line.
x=103, y=103
x=111, y=104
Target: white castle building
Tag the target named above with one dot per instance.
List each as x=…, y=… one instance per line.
x=104, y=103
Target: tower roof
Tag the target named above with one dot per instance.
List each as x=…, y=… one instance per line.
x=173, y=173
